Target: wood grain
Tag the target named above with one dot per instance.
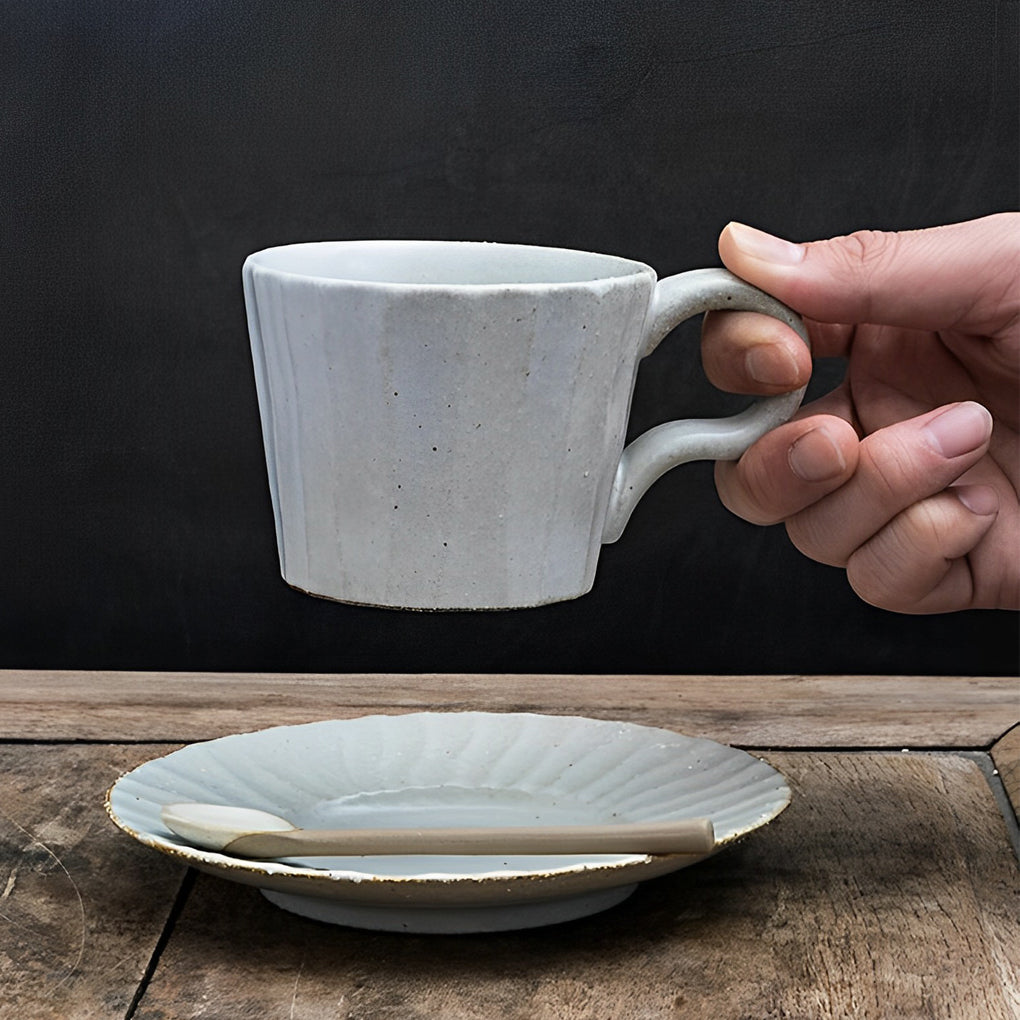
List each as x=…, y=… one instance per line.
x=779, y=712
x=81, y=905
x=1006, y=755
x=888, y=889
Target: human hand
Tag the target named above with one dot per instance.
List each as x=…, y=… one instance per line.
x=907, y=474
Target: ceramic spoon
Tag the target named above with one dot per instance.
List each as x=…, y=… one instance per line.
x=246, y=832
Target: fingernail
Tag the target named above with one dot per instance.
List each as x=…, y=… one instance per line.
x=959, y=430
x=815, y=457
x=759, y=245
x=772, y=364
x=982, y=500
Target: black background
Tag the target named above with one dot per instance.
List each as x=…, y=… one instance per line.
x=148, y=147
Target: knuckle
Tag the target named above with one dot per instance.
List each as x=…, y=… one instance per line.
x=906, y=561
x=738, y=492
x=884, y=571
x=922, y=527
x=858, y=258
x=864, y=250
x=875, y=585
x=890, y=470
x=812, y=537
x=887, y=475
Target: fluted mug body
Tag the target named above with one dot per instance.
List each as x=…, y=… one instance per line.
x=444, y=421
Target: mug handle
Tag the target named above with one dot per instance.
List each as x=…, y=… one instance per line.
x=654, y=452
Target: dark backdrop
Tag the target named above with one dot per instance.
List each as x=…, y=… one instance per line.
x=149, y=146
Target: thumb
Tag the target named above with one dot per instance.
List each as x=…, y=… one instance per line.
x=960, y=276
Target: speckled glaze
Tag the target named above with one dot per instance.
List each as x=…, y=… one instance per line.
x=450, y=768
x=444, y=421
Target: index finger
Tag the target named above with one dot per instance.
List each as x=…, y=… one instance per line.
x=746, y=352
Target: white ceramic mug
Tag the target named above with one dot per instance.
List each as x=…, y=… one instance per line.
x=444, y=421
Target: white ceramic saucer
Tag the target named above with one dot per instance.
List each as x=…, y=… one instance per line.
x=448, y=769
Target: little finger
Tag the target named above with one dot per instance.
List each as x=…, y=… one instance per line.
x=918, y=562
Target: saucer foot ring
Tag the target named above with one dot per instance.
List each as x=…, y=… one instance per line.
x=450, y=920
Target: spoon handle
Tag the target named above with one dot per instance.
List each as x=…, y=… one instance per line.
x=685, y=836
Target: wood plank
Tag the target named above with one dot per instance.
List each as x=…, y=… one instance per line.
x=82, y=906
x=771, y=711
x=1006, y=755
x=887, y=889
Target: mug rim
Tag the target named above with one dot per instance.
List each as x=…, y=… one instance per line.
x=602, y=268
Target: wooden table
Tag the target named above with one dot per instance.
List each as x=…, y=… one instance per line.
x=888, y=890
